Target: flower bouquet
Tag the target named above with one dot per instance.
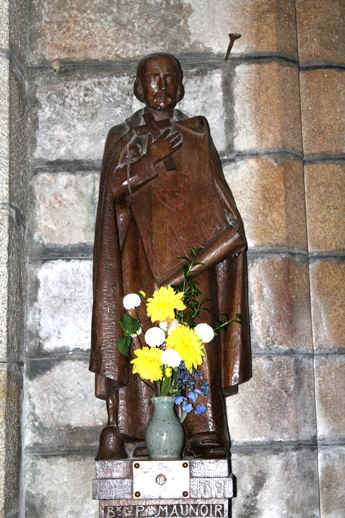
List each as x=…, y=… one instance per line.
x=171, y=352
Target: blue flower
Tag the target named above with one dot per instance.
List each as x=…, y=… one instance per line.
x=193, y=395
x=205, y=389
x=187, y=407
x=200, y=409
x=179, y=399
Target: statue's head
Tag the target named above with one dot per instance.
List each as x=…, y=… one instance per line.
x=159, y=81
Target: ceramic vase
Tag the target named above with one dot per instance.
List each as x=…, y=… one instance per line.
x=164, y=434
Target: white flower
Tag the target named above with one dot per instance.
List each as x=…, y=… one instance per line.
x=204, y=332
x=164, y=325
x=154, y=337
x=171, y=358
x=133, y=335
x=173, y=326
x=168, y=327
x=131, y=301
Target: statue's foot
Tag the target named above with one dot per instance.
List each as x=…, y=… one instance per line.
x=206, y=446
x=111, y=446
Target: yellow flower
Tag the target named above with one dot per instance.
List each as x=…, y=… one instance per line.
x=163, y=302
x=168, y=372
x=185, y=341
x=148, y=363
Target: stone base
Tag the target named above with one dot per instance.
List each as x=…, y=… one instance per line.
x=163, y=508
x=163, y=489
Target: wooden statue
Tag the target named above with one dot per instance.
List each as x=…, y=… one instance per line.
x=162, y=192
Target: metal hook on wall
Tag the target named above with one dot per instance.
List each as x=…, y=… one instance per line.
x=233, y=37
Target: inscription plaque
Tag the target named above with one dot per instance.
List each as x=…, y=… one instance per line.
x=168, y=509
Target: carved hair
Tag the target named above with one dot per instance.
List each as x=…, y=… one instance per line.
x=138, y=86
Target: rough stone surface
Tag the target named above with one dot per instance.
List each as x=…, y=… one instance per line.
x=18, y=144
x=266, y=108
x=276, y=484
x=61, y=409
x=4, y=24
x=101, y=30
x=13, y=440
x=89, y=30
x=325, y=199
x=74, y=114
x=277, y=404
x=65, y=208
x=3, y=397
x=59, y=487
x=270, y=198
x=320, y=31
x=16, y=289
x=60, y=318
x=4, y=224
x=332, y=468
x=267, y=27
x=330, y=390
x=10, y=399
x=4, y=129
x=204, y=96
x=327, y=286
x=322, y=101
x=280, y=303
x=19, y=27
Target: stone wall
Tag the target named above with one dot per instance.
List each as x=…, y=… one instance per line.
x=276, y=115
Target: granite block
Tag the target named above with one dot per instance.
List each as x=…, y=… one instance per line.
x=19, y=143
x=332, y=468
x=19, y=27
x=325, y=201
x=64, y=208
x=4, y=126
x=320, y=31
x=276, y=484
x=322, y=104
x=74, y=113
x=267, y=27
x=98, y=30
x=60, y=312
x=4, y=229
x=14, y=397
x=59, y=487
x=330, y=395
x=10, y=401
x=61, y=409
x=277, y=404
x=4, y=24
x=280, y=303
x=327, y=289
x=3, y=399
x=266, y=108
x=16, y=288
x=103, y=31
x=269, y=194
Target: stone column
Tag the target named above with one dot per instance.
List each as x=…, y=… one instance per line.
x=11, y=270
x=322, y=78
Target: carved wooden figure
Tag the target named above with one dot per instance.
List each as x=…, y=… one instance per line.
x=162, y=192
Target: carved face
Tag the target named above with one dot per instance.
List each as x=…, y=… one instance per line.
x=160, y=80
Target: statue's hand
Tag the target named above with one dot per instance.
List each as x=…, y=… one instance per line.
x=168, y=142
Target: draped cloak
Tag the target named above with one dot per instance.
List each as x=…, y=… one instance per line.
x=139, y=238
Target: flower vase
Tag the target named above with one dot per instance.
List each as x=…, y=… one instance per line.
x=164, y=435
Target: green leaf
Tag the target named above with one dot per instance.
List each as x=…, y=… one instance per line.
x=194, y=252
x=123, y=345
x=129, y=324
